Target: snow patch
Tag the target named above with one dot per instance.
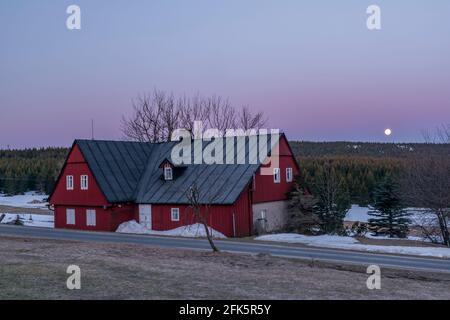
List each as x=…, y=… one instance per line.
x=357, y=213
x=419, y=216
x=190, y=231
x=349, y=243
x=310, y=240
x=29, y=220
x=30, y=199
x=369, y=235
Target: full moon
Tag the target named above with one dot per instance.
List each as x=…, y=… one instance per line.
x=388, y=132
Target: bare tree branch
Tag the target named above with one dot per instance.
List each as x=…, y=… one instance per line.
x=246, y=120
x=201, y=211
x=156, y=116
x=222, y=115
x=427, y=183
x=192, y=110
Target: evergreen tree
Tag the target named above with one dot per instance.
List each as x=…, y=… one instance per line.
x=389, y=215
x=333, y=200
x=30, y=169
x=302, y=218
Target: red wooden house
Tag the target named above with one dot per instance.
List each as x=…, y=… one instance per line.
x=105, y=183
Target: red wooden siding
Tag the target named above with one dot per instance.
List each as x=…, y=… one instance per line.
x=106, y=219
x=122, y=214
x=242, y=210
x=220, y=217
x=265, y=189
x=76, y=166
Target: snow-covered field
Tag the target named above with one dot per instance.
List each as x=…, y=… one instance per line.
x=350, y=243
x=369, y=235
x=361, y=214
x=29, y=220
x=191, y=231
x=28, y=200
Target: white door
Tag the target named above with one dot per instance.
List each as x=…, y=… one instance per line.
x=145, y=215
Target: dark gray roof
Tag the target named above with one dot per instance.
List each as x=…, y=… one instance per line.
x=130, y=172
x=116, y=165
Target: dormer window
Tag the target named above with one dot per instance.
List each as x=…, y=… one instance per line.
x=168, y=173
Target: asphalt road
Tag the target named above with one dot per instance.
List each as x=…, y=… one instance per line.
x=247, y=247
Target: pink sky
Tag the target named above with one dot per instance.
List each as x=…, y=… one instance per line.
x=315, y=69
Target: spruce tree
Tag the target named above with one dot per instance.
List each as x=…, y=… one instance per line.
x=389, y=215
x=333, y=200
x=302, y=218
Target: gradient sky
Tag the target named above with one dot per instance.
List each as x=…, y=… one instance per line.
x=312, y=66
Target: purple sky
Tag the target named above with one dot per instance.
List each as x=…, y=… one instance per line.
x=313, y=67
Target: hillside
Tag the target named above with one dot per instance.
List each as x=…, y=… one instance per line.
x=30, y=169
x=367, y=149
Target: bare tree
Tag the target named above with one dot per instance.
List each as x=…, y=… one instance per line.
x=222, y=115
x=443, y=133
x=441, y=136
x=154, y=119
x=170, y=115
x=427, y=183
x=246, y=120
x=156, y=116
x=191, y=110
x=140, y=127
x=201, y=211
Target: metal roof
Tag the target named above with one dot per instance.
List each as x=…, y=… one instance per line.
x=130, y=172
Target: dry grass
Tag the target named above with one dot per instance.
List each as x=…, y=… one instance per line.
x=36, y=269
x=8, y=209
x=398, y=242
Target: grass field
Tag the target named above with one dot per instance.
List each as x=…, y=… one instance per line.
x=10, y=209
x=36, y=269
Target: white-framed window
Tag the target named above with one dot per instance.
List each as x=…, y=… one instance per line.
x=168, y=173
x=84, y=183
x=69, y=182
x=70, y=216
x=91, y=219
x=175, y=214
x=289, y=174
x=276, y=175
x=263, y=213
